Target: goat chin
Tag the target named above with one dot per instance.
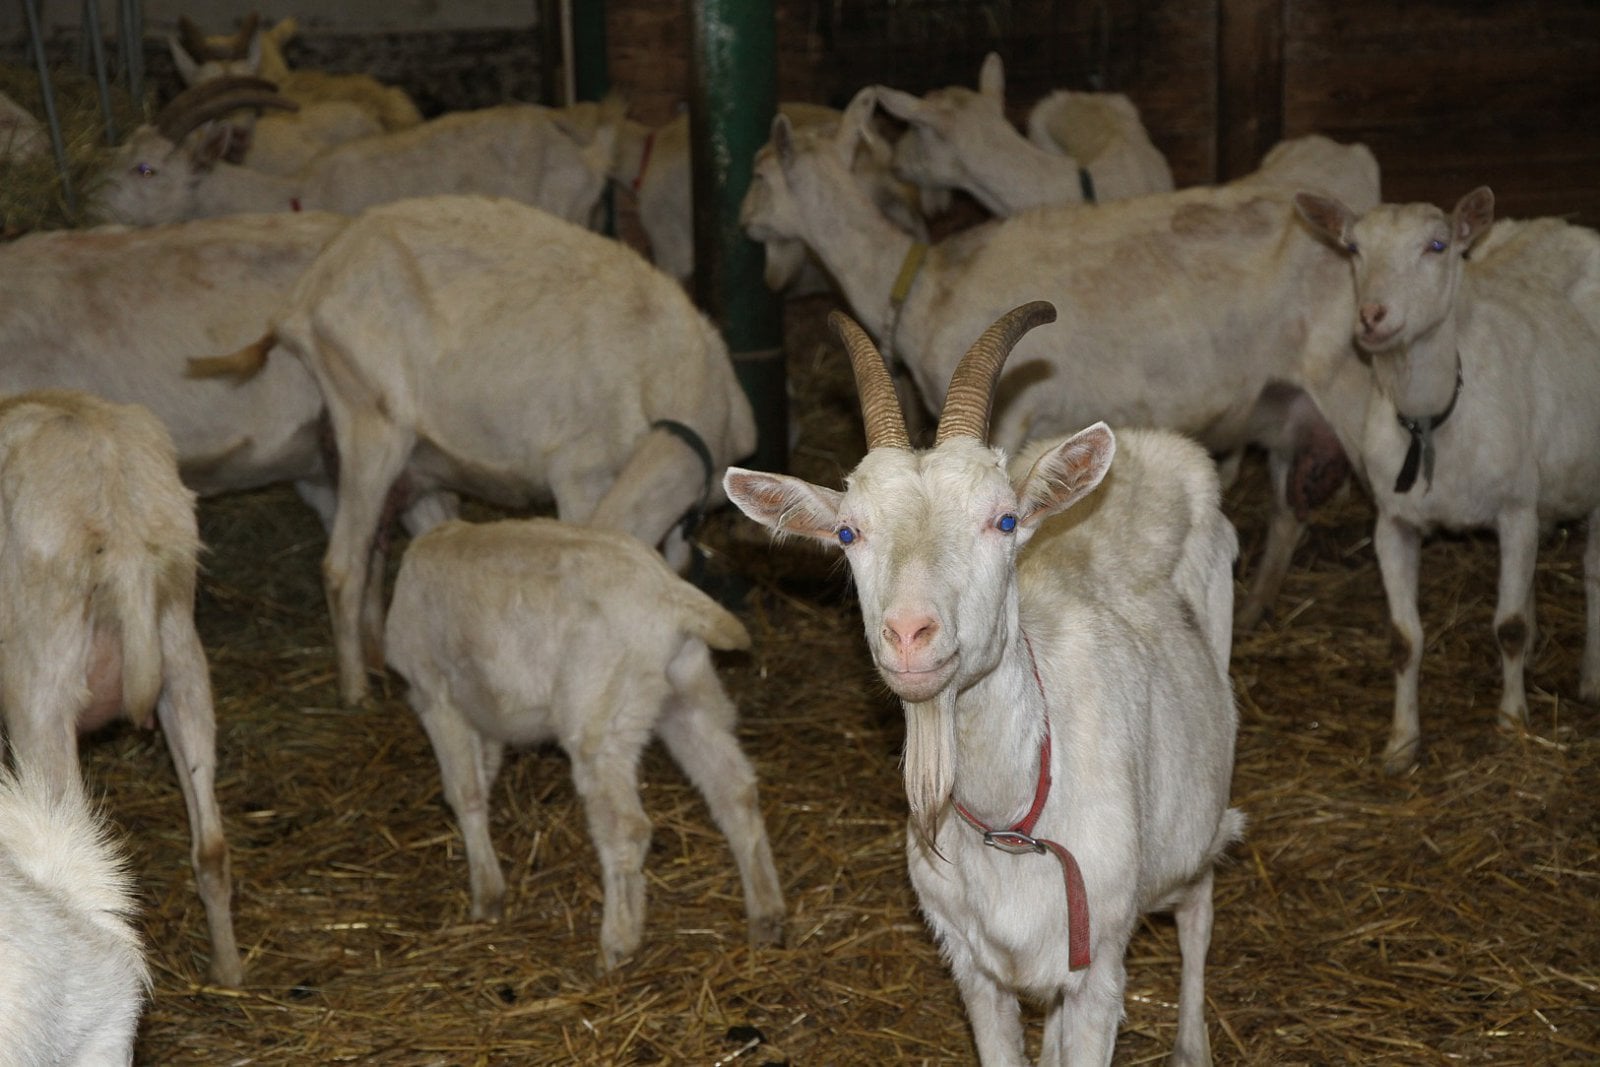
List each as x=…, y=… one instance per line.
x=930, y=759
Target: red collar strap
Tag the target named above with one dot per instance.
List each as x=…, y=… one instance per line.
x=294, y=203
x=1019, y=840
x=644, y=160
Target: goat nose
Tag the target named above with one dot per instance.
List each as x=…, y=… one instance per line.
x=1373, y=314
x=910, y=631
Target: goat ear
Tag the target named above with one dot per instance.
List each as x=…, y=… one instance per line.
x=1473, y=216
x=1326, y=215
x=907, y=107
x=992, y=78
x=856, y=125
x=188, y=66
x=784, y=503
x=1065, y=474
x=782, y=138
x=252, y=53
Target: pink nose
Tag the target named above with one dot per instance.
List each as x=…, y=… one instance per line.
x=910, y=632
x=1372, y=315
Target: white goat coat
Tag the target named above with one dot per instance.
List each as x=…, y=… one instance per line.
x=526, y=632
x=72, y=972
x=484, y=346
x=97, y=559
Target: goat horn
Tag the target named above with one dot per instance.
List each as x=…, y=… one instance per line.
x=214, y=98
x=239, y=45
x=880, y=406
x=971, y=393
x=193, y=39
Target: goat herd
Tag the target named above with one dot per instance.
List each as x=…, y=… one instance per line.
x=387, y=312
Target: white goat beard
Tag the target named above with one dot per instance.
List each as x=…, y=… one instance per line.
x=930, y=761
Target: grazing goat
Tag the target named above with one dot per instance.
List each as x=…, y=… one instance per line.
x=523, y=632
x=1189, y=311
x=259, y=53
x=1482, y=410
x=517, y=150
x=97, y=559
x=74, y=978
x=653, y=164
x=480, y=345
x=961, y=139
x=1065, y=692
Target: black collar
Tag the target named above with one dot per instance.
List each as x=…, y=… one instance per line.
x=1421, y=450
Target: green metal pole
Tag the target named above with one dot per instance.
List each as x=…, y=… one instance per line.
x=591, y=79
x=733, y=95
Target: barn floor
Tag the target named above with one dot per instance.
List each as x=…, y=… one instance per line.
x=1450, y=916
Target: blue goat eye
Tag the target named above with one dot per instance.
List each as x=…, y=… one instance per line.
x=1007, y=523
x=1436, y=245
x=144, y=170
x=846, y=535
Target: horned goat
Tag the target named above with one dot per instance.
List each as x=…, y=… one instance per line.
x=653, y=164
x=1065, y=691
x=1188, y=310
x=1482, y=409
x=521, y=151
x=524, y=632
x=480, y=345
x=74, y=979
x=961, y=139
x=258, y=52
x=97, y=554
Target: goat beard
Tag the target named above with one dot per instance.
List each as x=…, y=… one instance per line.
x=930, y=762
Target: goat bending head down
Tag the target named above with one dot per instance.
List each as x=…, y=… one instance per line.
x=1019, y=642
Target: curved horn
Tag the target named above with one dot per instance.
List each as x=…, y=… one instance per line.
x=971, y=393
x=211, y=99
x=880, y=406
x=193, y=39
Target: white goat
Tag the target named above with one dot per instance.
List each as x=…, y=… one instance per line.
x=516, y=150
x=74, y=979
x=1483, y=410
x=97, y=559
x=478, y=344
x=1187, y=310
x=961, y=139
x=116, y=312
x=524, y=632
x=1068, y=697
x=258, y=52
x=653, y=164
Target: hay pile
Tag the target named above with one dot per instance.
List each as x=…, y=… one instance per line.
x=1452, y=916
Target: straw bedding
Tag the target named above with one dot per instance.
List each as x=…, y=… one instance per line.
x=1450, y=916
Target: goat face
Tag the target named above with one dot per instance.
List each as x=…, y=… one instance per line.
x=149, y=180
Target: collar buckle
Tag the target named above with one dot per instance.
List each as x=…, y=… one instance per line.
x=1014, y=842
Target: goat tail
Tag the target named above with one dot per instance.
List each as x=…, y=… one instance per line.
x=241, y=365
x=709, y=621
x=132, y=603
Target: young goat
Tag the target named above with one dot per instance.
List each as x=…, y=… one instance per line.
x=97, y=564
x=74, y=976
x=524, y=632
x=1068, y=699
x=1482, y=410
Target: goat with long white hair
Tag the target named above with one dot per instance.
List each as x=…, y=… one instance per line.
x=1060, y=647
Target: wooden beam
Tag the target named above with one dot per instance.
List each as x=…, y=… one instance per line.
x=1249, y=83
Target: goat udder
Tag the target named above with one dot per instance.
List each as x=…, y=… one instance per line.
x=104, y=682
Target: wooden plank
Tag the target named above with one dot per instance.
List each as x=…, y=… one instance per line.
x=1249, y=83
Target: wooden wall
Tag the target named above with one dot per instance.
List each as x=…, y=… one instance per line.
x=1449, y=94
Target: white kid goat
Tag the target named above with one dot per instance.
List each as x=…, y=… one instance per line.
x=520, y=151
x=74, y=978
x=1188, y=311
x=524, y=632
x=1065, y=690
x=97, y=560
x=480, y=345
x=961, y=139
x=1483, y=410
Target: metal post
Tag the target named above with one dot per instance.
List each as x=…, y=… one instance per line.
x=733, y=96
x=591, y=78
x=131, y=28
x=47, y=92
x=97, y=49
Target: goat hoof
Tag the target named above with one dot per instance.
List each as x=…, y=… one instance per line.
x=766, y=929
x=1514, y=719
x=1400, y=757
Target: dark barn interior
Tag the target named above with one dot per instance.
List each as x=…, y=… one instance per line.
x=1447, y=916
